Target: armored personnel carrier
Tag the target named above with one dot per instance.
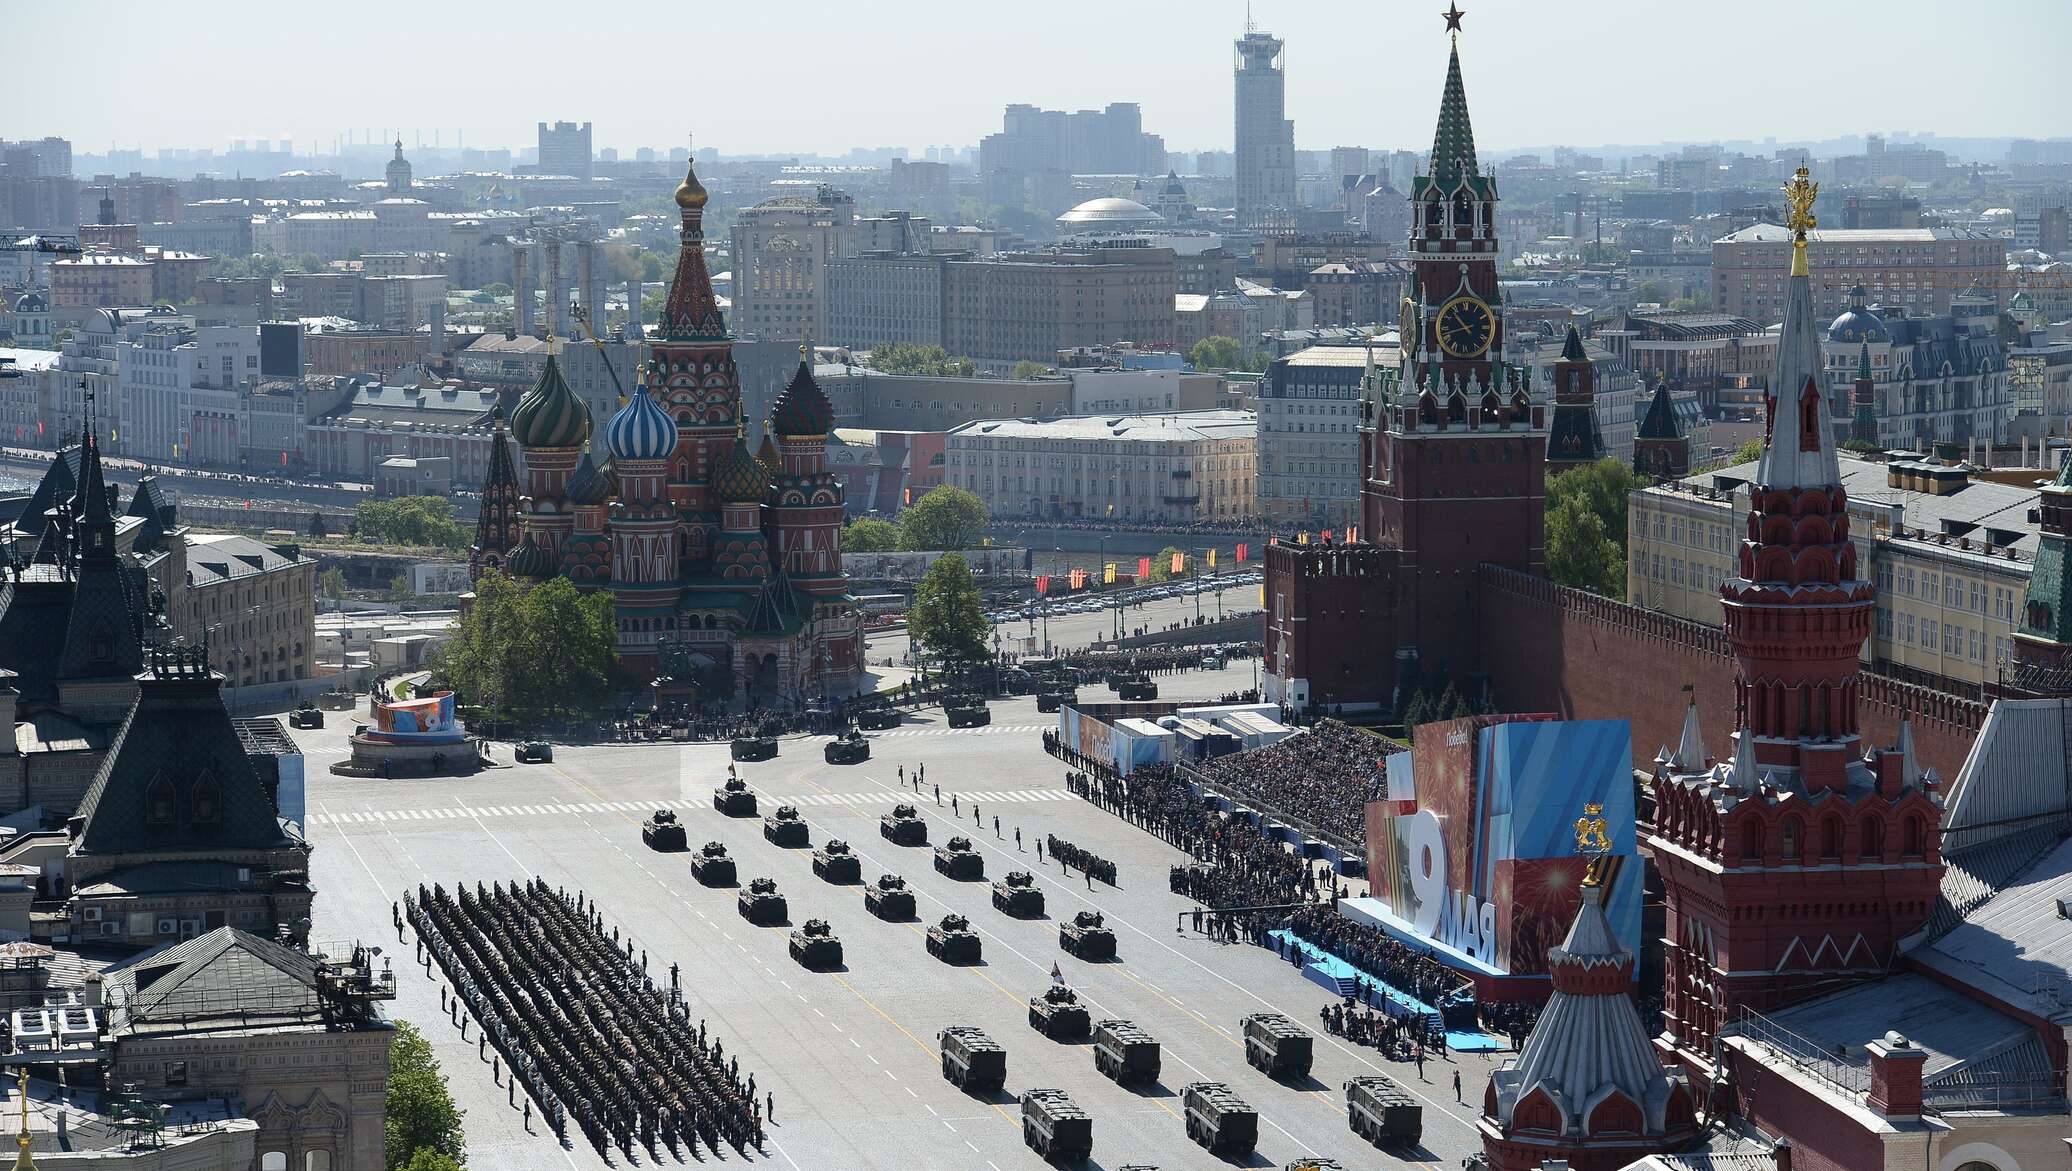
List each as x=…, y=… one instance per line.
x=815, y=946
x=711, y=866
x=851, y=747
x=1057, y=1014
x=1052, y=700
x=734, y=799
x=1134, y=687
x=306, y=716
x=1276, y=1046
x=968, y=712
x=1055, y=1127
x=663, y=832
x=833, y=862
x=1382, y=1112
x=760, y=903
x=1087, y=937
x=785, y=828
x=1017, y=894
x=958, y=859
x=1125, y=1053
x=1218, y=1119
x=754, y=747
x=903, y=826
x=953, y=941
x=972, y=1061
x=889, y=899
x=877, y=719
x=1313, y=1163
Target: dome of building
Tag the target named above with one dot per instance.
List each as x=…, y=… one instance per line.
x=690, y=193
x=588, y=485
x=767, y=456
x=802, y=408
x=739, y=477
x=550, y=414
x=641, y=429
x=31, y=303
x=1110, y=212
x=1857, y=323
x=530, y=560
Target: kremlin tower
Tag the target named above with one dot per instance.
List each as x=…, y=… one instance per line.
x=1798, y=863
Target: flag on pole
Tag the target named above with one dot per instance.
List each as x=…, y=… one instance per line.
x=1179, y=563
x=1057, y=974
x=1242, y=550
x=1108, y=574
x=1352, y=534
x=1327, y=536
x=1111, y=510
x=1042, y=583
x=1212, y=559
x=1078, y=580
x=1143, y=569
x=1302, y=538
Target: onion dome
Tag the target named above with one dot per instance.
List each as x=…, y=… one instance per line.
x=550, y=414
x=588, y=486
x=802, y=408
x=739, y=477
x=641, y=429
x=767, y=456
x=1857, y=323
x=530, y=560
x=690, y=193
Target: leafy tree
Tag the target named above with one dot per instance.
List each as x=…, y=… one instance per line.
x=497, y=289
x=948, y=618
x=331, y=582
x=1863, y=446
x=931, y=361
x=1027, y=369
x=1649, y=292
x=1162, y=565
x=1578, y=551
x=411, y=520
x=1605, y=487
x=499, y=653
x=944, y=517
x=1452, y=704
x=399, y=588
x=1748, y=452
x=1215, y=352
x=870, y=535
x=1417, y=711
x=317, y=527
x=421, y=1117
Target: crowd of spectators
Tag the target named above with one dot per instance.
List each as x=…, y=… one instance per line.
x=1322, y=778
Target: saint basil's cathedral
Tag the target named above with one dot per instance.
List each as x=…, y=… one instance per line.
x=714, y=554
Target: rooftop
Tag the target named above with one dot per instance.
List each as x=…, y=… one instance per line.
x=1173, y=427
x=220, y=557
x=1775, y=234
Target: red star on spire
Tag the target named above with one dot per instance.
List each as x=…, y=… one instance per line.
x=1453, y=14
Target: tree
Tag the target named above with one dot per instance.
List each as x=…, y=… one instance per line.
x=1748, y=452
x=421, y=1117
x=931, y=361
x=1026, y=369
x=1605, y=487
x=943, y=518
x=499, y=657
x=331, y=583
x=411, y=520
x=1649, y=293
x=870, y=535
x=1578, y=551
x=497, y=289
x=1215, y=352
x=1162, y=565
x=427, y=1159
x=399, y=588
x=1861, y=446
x=317, y=527
x=948, y=618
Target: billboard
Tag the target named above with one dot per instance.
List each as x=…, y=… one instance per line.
x=1475, y=847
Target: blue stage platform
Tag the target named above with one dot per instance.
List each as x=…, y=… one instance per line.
x=1342, y=979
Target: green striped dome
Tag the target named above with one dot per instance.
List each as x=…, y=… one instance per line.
x=740, y=478
x=550, y=415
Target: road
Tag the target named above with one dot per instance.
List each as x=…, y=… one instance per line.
x=851, y=1055
x=1072, y=631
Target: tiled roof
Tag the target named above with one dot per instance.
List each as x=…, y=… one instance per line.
x=220, y=557
x=225, y=979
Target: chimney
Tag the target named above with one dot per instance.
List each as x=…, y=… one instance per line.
x=593, y=287
x=436, y=318
x=1896, y=1076
x=1782, y=1153
x=633, y=331
x=521, y=286
x=557, y=303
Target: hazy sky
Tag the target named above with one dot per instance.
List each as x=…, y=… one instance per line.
x=809, y=75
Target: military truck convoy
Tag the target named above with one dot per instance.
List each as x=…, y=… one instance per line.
x=889, y=899
x=903, y=826
x=1057, y=1014
x=1055, y=1127
x=1085, y=936
x=972, y=1061
x=734, y=799
x=1218, y=1120
x=1382, y=1112
x=1124, y=1053
x=953, y=941
x=711, y=866
x=834, y=862
x=815, y=946
x=760, y=904
x=1277, y=1046
x=959, y=859
x=1017, y=894
x=786, y=828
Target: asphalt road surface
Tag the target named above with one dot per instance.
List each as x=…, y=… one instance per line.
x=851, y=1055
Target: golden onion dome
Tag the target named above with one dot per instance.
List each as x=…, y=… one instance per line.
x=690, y=193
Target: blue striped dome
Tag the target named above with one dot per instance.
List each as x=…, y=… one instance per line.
x=641, y=429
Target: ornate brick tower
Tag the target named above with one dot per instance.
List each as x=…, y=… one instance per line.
x=551, y=424
x=1587, y=1088
x=1797, y=865
x=1863, y=400
x=1660, y=447
x=807, y=516
x=691, y=373
x=645, y=585
x=1574, y=439
x=1455, y=447
x=496, y=529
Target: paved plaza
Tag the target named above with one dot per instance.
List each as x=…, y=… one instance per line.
x=851, y=1055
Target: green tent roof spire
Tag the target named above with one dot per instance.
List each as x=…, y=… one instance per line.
x=1453, y=144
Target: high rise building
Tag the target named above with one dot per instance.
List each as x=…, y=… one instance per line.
x=1265, y=137
x=565, y=149
x=781, y=250
x=1108, y=141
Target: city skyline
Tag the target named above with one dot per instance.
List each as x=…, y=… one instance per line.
x=1625, y=73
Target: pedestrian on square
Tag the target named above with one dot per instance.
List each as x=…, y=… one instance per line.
x=1017, y=837
x=996, y=825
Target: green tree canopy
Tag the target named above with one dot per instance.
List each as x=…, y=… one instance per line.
x=870, y=535
x=532, y=654
x=932, y=361
x=944, y=517
x=411, y=520
x=1748, y=452
x=1605, y=487
x=422, y=1119
x=1578, y=551
x=1028, y=369
x=331, y=583
x=1215, y=352
x=949, y=618
x=317, y=527
x=1162, y=565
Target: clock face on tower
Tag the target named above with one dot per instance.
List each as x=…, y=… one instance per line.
x=1466, y=327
